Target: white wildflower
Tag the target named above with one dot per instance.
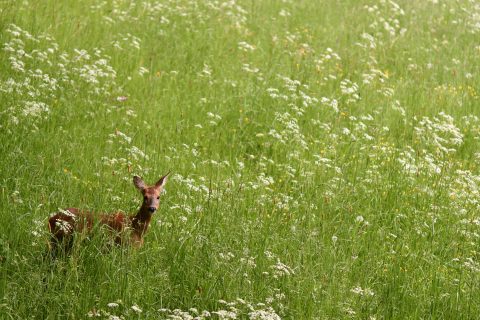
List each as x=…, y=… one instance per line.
x=136, y=309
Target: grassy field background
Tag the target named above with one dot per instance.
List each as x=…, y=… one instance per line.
x=324, y=155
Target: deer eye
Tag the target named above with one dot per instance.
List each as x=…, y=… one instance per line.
x=145, y=198
x=158, y=198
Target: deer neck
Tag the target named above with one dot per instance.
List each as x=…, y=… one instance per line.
x=141, y=220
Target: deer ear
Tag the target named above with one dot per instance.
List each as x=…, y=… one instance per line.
x=138, y=182
x=163, y=180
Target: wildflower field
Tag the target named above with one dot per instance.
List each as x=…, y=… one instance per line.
x=325, y=157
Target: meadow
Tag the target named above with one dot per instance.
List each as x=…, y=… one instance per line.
x=324, y=155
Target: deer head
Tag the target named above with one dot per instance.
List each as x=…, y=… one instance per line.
x=151, y=194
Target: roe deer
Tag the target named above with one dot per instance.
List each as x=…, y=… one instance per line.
x=65, y=223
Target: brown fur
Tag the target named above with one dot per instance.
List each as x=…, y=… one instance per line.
x=64, y=224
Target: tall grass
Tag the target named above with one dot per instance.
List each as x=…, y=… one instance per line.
x=324, y=157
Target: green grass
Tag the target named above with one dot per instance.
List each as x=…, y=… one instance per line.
x=323, y=154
